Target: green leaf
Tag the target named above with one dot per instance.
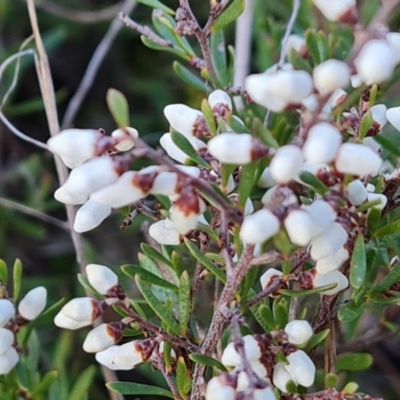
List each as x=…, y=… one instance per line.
x=209, y=117
x=331, y=381
x=280, y=311
x=146, y=276
x=229, y=15
x=203, y=260
x=365, y=125
x=157, y=306
x=87, y=286
x=183, y=381
x=3, y=272
x=389, y=229
x=184, y=302
x=83, y=383
x=314, y=182
x=372, y=95
x=17, y=277
x=304, y=293
x=46, y=382
x=323, y=46
x=350, y=312
x=158, y=5
x=155, y=46
x=354, y=362
x=118, y=106
x=358, y=264
x=389, y=280
x=188, y=77
x=312, y=46
x=177, y=262
x=183, y=143
x=350, y=388
x=373, y=219
x=247, y=181
x=152, y=253
x=138, y=389
x=266, y=315
x=317, y=339
x=218, y=51
x=205, y=360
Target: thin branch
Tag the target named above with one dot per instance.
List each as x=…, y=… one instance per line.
x=94, y=65
x=33, y=213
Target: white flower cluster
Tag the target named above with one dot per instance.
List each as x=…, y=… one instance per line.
x=29, y=308
x=263, y=363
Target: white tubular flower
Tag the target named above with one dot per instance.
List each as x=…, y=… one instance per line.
x=90, y=216
x=333, y=262
x=329, y=278
x=91, y=176
x=8, y=360
x=62, y=321
x=322, y=214
x=174, y=151
x=102, y=337
x=163, y=235
x=336, y=10
x=259, y=227
x=231, y=358
x=299, y=332
x=322, y=144
x=301, y=368
x=378, y=112
x=126, y=142
x=300, y=227
x=393, y=38
x=281, y=377
x=357, y=159
x=375, y=62
x=101, y=277
x=286, y=163
x=64, y=196
x=328, y=242
x=6, y=340
x=331, y=75
x=266, y=181
x=7, y=311
x=182, y=118
x=266, y=277
x=264, y=394
x=106, y=358
x=357, y=192
x=82, y=309
x=393, y=116
x=296, y=43
x=378, y=196
x=221, y=387
x=34, y=302
x=219, y=97
x=133, y=353
x=75, y=146
x=235, y=148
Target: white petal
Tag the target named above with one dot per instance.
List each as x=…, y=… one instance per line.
x=163, y=235
x=90, y=216
x=333, y=10
x=322, y=214
x=62, y=321
x=266, y=278
x=182, y=118
x=292, y=86
x=266, y=180
x=8, y=360
x=329, y=278
x=393, y=116
x=64, y=196
x=301, y=368
x=182, y=221
x=219, y=97
x=6, y=340
x=217, y=390
x=174, y=151
x=81, y=309
x=328, y=242
x=100, y=338
x=393, y=39
x=296, y=43
x=264, y=394
x=333, y=262
x=231, y=358
x=34, y=302
x=286, y=163
x=106, y=358
x=127, y=355
x=331, y=75
x=372, y=143
x=259, y=227
x=101, y=277
x=378, y=196
x=378, y=112
x=7, y=311
x=299, y=332
x=281, y=377
x=127, y=143
x=300, y=227
x=357, y=192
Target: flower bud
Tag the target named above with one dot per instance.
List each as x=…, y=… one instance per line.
x=8, y=360
x=163, y=235
x=329, y=278
x=264, y=394
x=393, y=116
x=90, y=216
x=220, y=98
x=296, y=43
x=134, y=353
x=7, y=311
x=185, y=211
x=75, y=146
x=106, y=358
x=175, y=152
x=286, y=163
x=6, y=340
x=378, y=112
x=322, y=144
x=101, y=337
x=64, y=196
x=333, y=262
x=101, y=277
x=299, y=332
x=281, y=377
x=34, y=302
x=357, y=192
x=301, y=368
x=267, y=277
x=62, y=321
x=381, y=197
x=321, y=213
x=375, y=62
x=372, y=143
x=338, y=10
x=393, y=39
x=126, y=142
x=82, y=309
x=356, y=81
x=259, y=227
x=331, y=75
x=328, y=242
x=183, y=118
x=231, y=358
x=221, y=387
x=236, y=148
x=266, y=180
x=300, y=227
x=357, y=159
